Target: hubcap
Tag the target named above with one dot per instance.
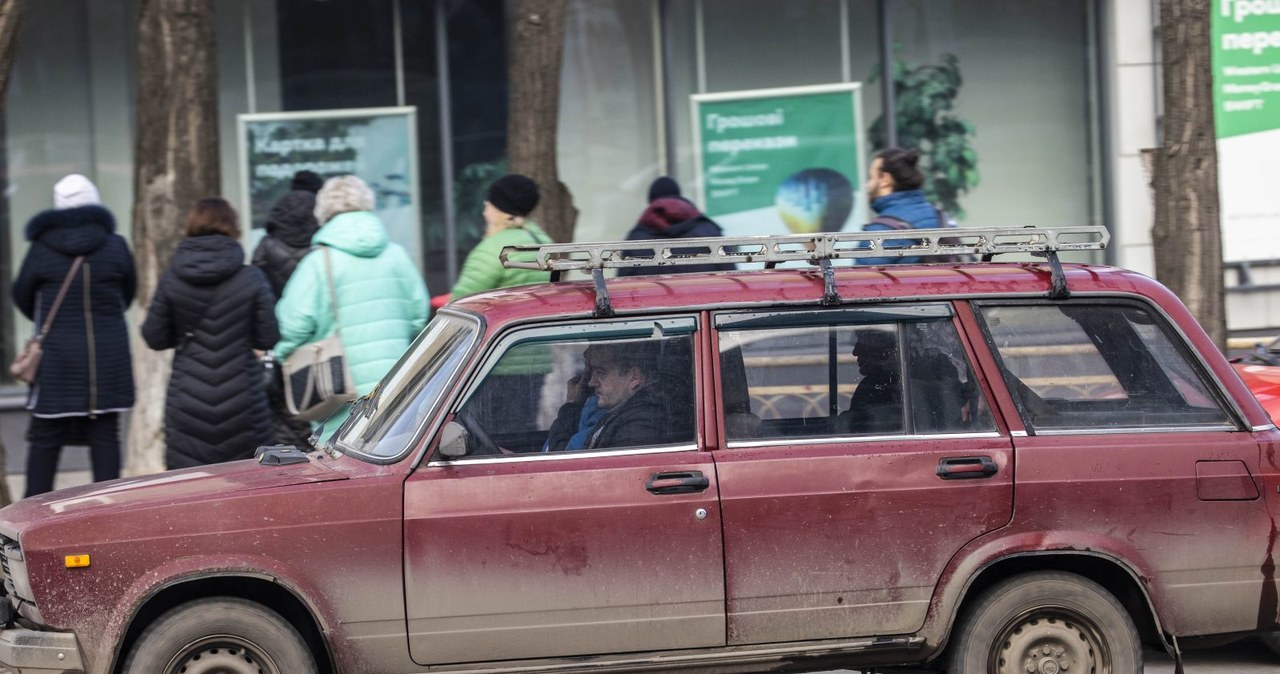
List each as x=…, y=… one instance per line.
x=1042, y=642
x=223, y=654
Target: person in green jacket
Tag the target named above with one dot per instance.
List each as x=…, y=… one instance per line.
x=381, y=297
x=507, y=206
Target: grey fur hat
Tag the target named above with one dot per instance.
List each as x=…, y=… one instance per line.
x=343, y=194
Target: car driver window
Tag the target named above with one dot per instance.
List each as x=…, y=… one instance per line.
x=583, y=395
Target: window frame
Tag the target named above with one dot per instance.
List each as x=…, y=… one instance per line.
x=664, y=325
x=1235, y=421
x=808, y=316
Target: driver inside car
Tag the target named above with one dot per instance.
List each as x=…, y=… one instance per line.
x=624, y=384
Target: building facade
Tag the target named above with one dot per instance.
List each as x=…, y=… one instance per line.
x=1061, y=96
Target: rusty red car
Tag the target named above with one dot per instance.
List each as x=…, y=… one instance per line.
x=984, y=467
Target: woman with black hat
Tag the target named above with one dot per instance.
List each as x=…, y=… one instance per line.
x=509, y=202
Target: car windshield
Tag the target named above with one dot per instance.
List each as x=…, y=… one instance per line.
x=384, y=423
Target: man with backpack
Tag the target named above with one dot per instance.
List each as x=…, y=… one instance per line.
x=894, y=183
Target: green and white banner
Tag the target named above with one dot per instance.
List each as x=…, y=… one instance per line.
x=1246, y=93
x=377, y=144
x=779, y=161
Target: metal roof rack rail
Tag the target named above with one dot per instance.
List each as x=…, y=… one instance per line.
x=820, y=249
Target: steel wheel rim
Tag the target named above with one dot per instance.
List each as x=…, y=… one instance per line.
x=1050, y=640
x=222, y=654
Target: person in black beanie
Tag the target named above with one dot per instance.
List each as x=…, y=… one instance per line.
x=663, y=186
x=290, y=226
x=507, y=206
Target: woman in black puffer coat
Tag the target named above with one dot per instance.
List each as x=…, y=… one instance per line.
x=214, y=311
x=86, y=376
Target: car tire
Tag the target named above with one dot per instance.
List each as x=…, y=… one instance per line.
x=223, y=635
x=1046, y=622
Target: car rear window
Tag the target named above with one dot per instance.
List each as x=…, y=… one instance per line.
x=1090, y=365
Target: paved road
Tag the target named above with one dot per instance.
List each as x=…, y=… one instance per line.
x=1247, y=657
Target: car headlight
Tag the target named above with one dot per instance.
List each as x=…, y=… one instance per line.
x=17, y=585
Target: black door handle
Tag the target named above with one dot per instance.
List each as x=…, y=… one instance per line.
x=683, y=482
x=967, y=468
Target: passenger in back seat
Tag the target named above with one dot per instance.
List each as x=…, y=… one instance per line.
x=876, y=404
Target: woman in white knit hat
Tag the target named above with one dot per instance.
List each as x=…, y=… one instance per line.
x=85, y=378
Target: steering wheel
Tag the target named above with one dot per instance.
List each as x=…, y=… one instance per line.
x=480, y=442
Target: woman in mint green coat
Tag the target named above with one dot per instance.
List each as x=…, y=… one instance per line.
x=507, y=206
x=381, y=297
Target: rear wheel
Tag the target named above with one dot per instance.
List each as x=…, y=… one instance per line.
x=220, y=636
x=1046, y=623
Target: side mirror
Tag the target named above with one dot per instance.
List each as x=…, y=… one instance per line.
x=454, y=440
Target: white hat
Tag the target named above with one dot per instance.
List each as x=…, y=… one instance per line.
x=73, y=191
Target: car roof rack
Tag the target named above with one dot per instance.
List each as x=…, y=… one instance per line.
x=820, y=249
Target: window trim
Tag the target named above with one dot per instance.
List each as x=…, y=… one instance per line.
x=664, y=325
x=1236, y=420
x=915, y=310
x=564, y=456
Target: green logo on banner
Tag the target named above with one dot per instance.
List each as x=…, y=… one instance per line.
x=794, y=152
x=1246, y=66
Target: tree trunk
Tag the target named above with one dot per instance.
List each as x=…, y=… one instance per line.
x=10, y=20
x=537, y=40
x=1186, y=235
x=175, y=164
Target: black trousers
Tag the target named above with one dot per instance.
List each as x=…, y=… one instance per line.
x=46, y=438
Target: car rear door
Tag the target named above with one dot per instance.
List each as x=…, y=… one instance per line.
x=546, y=553
x=838, y=522
x=1131, y=449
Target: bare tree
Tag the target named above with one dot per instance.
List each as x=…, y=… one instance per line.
x=1187, y=235
x=175, y=163
x=537, y=42
x=10, y=20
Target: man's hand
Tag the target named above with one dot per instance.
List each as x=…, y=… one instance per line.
x=577, y=389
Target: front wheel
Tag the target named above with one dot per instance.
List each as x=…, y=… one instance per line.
x=1046, y=623
x=223, y=636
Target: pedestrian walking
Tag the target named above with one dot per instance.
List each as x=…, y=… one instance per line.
x=507, y=206
x=214, y=311
x=668, y=217
x=85, y=379
x=290, y=226
x=894, y=188
x=380, y=295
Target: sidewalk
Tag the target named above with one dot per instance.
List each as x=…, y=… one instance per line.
x=66, y=478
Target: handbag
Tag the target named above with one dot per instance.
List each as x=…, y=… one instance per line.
x=27, y=363
x=317, y=377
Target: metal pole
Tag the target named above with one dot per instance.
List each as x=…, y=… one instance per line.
x=886, y=76
x=446, y=143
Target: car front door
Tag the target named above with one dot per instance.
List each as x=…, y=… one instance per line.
x=847, y=482
x=549, y=548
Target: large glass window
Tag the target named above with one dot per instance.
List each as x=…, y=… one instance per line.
x=889, y=378
x=1094, y=366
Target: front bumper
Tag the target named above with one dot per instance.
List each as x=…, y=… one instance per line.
x=24, y=651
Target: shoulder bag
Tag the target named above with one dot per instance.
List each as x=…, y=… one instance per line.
x=27, y=364
x=317, y=377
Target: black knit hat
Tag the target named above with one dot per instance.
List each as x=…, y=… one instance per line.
x=663, y=186
x=514, y=194
x=307, y=181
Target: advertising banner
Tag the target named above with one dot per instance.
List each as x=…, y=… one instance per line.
x=1246, y=92
x=781, y=161
x=377, y=144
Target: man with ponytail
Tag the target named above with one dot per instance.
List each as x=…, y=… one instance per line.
x=894, y=183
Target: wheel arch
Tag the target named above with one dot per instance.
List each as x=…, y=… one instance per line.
x=1111, y=573
x=260, y=589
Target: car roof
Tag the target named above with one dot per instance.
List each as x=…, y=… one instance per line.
x=798, y=286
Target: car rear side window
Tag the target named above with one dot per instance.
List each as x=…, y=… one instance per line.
x=886, y=378
x=1090, y=365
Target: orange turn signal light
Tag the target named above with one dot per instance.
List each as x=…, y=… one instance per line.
x=77, y=561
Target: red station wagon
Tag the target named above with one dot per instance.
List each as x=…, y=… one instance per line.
x=987, y=467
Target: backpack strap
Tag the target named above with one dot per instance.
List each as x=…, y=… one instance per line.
x=891, y=222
